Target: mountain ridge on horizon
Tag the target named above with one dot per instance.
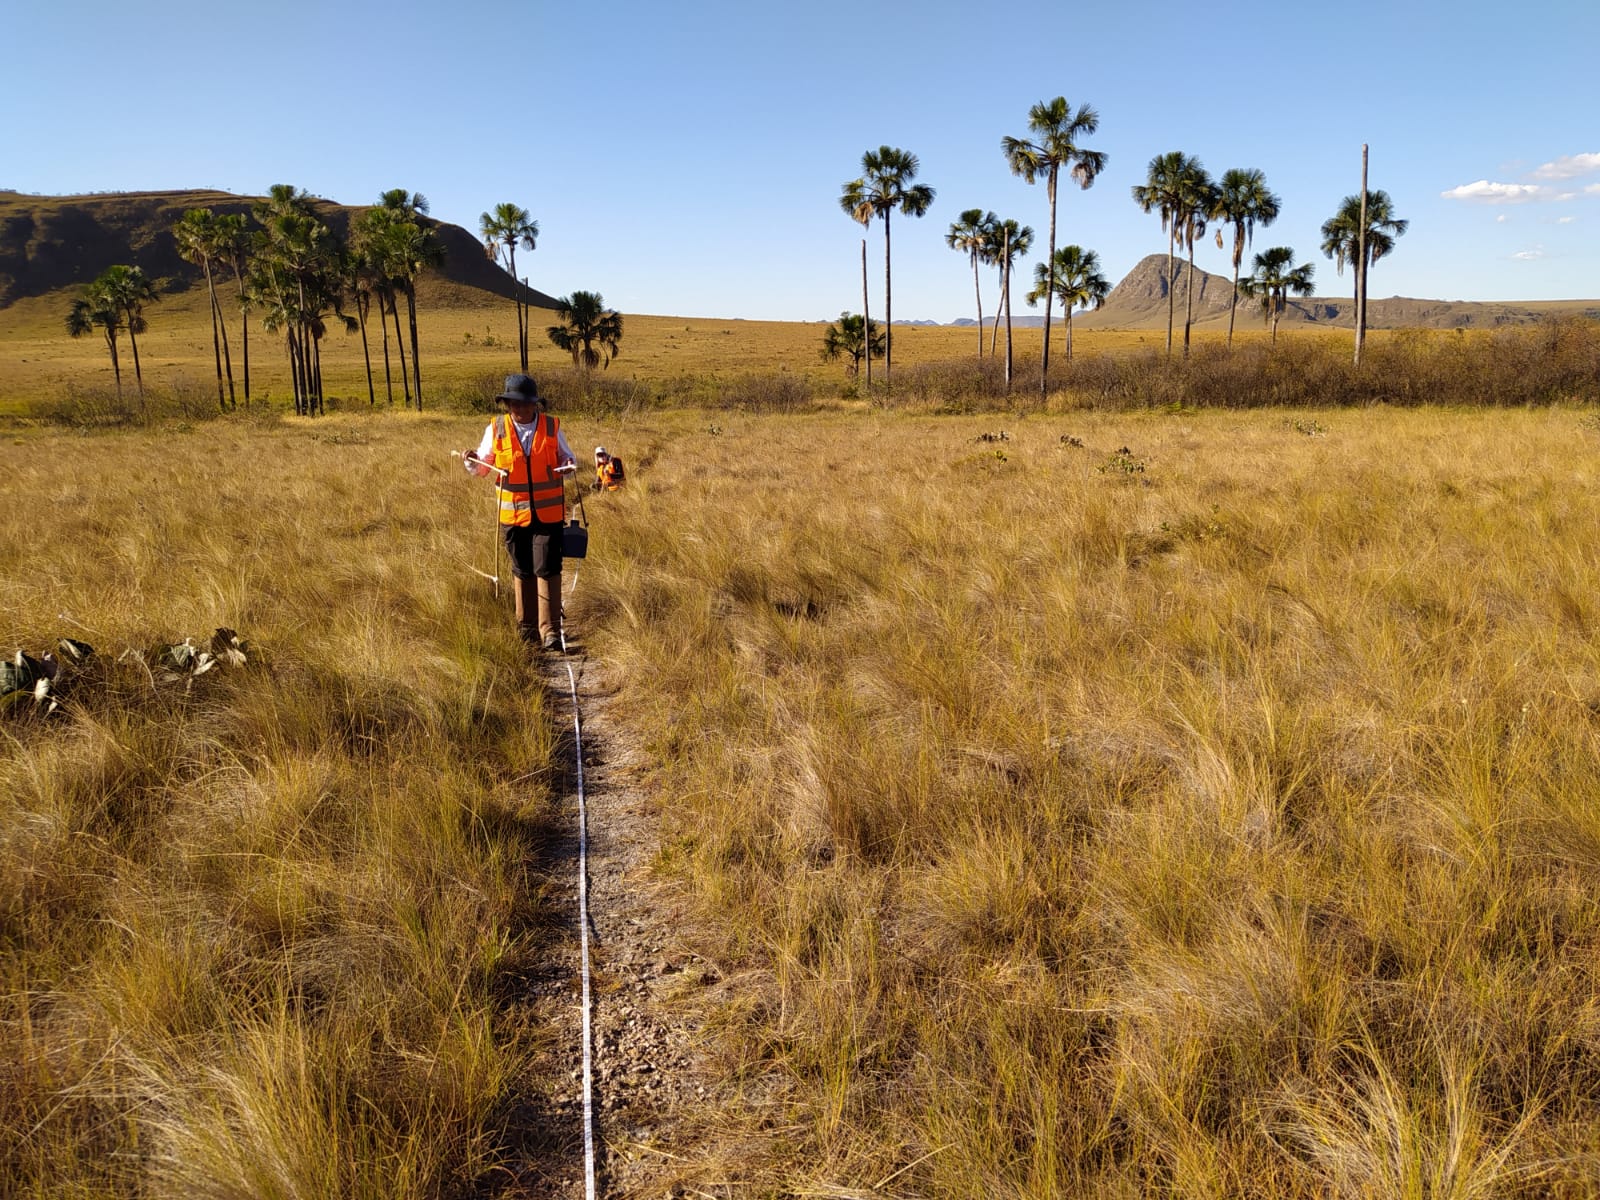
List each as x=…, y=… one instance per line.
x=48, y=243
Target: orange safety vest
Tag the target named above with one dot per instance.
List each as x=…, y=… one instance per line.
x=609, y=474
x=531, y=490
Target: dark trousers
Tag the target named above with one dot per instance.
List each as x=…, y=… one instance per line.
x=535, y=550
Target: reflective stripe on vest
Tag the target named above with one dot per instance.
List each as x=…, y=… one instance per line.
x=531, y=490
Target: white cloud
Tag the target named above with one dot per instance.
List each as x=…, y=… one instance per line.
x=1485, y=192
x=1565, y=220
x=1529, y=255
x=1501, y=219
x=1592, y=190
x=1568, y=166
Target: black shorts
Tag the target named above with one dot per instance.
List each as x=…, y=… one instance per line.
x=535, y=550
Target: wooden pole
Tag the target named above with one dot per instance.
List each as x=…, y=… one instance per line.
x=1361, y=262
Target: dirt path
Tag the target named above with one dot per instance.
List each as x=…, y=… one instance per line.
x=652, y=1074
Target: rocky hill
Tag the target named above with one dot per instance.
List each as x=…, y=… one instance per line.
x=52, y=242
x=1140, y=302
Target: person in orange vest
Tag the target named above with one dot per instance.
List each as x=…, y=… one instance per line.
x=529, y=453
x=608, y=472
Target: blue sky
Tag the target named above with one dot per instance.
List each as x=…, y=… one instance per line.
x=687, y=158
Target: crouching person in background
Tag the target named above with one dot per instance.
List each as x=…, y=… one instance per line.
x=529, y=454
x=608, y=471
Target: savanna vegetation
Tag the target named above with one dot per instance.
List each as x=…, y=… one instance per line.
x=1116, y=802
x=1132, y=804
x=261, y=927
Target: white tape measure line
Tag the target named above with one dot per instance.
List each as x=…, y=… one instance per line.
x=583, y=927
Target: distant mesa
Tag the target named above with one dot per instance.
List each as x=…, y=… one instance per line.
x=1140, y=302
x=53, y=242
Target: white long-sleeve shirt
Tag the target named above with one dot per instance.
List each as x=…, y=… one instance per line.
x=485, y=449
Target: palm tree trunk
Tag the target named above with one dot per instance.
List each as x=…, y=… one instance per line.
x=316, y=370
x=227, y=361
x=400, y=350
x=888, y=310
x=516, y=299
x=1172, y=234
x=1362, y=255
x=216, y=355
x=244, y=334
x=977, y=293
x=383, y=324
x=525, y=319
x=866, y=317
x=1069, y=333
x=116, y=364
x=216, y=320
x=416, y=356
x=362, y=304
x=1188, y=298
x=999, y=311
x=1233, y=302
x=1050, y=291
x=138, y=375
x=294, y=368
x=1005, y=288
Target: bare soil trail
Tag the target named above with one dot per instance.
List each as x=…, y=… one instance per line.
x=653, y=1073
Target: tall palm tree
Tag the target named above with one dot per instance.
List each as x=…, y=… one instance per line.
x=885, y=185
x=370, y=238
x=415, y=248
x=97, y=309
x=196, y=235
x=1058, y=131
x=1273, y=278
x=130, y=289
x=357, y=283
x=1341, y=240
x=1243, y=201
x=855, y=336
x=1162, y=192
x=1009, y=241
x=233, y=242
x=508, y=227
x=1196, y=197
x=969, y=235
x=585, y=320
x=1076, y=280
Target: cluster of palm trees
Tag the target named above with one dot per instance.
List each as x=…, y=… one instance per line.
x=114, y=304
x=1177, y=187
x=301, y=275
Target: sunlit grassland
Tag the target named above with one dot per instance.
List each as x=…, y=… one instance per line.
x=1225, y=827
x=467, y=338
x=261, y=936
x=1220, y=827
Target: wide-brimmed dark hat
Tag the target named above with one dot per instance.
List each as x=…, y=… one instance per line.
x=520, y=387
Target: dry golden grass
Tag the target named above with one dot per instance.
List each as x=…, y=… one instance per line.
x=257, y=936
x=1220, y=827
x=1224, y=827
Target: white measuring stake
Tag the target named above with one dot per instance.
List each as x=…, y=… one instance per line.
x=583, y=926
